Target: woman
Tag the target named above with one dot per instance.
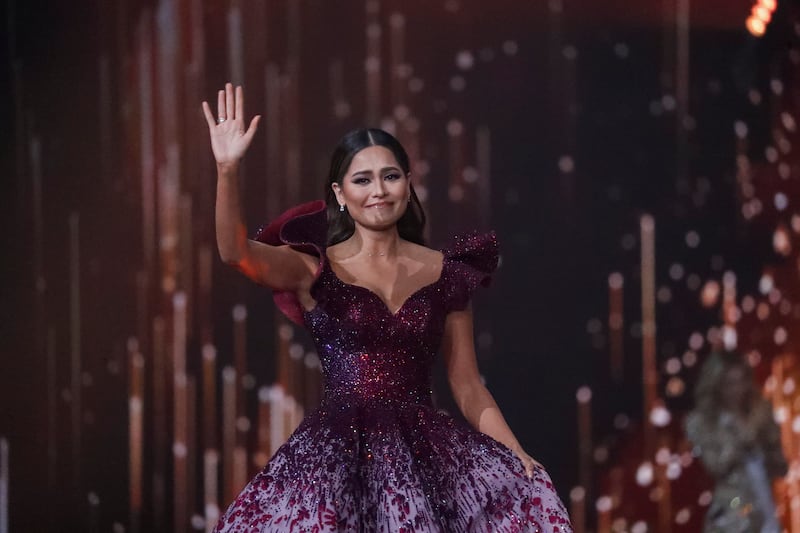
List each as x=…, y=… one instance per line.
x=733, y=431
x=376, y=456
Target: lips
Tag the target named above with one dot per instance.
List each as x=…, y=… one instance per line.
x=379, y=204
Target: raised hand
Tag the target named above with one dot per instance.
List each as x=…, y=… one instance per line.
x=229, y=138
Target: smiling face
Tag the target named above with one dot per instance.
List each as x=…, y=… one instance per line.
x=374, y=189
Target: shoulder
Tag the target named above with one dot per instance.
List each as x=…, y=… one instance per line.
x=422, y=254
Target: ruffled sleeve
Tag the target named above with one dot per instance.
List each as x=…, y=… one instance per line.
x=304, y=228
x=471, y=260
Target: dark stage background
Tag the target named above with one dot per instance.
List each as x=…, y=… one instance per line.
x=636, y=158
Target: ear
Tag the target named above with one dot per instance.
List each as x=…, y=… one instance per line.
x=338, y=192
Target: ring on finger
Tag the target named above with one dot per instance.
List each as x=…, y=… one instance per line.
x=220, y=120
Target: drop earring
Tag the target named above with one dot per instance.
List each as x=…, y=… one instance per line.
x=341, y=208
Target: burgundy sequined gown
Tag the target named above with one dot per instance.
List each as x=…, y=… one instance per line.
x=377, y=456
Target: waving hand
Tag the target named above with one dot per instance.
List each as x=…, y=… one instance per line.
x=229, y=138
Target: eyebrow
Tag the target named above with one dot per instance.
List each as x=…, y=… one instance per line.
x=384, y=169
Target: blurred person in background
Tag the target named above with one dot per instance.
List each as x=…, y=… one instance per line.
x=735, y=435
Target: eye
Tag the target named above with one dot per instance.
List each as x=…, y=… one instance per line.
x=361, y=181
x=392, y=177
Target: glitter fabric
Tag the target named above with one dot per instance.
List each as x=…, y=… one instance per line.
x=377, y=456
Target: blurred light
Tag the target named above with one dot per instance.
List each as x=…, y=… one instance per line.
x=770, y=5
x=710, y=293
x=621, y=421
x=781, y=201
x=796, y=223
x=781, y=242
x=601, y=454
x=774, y=296
x=458, y=83
x=510, y=48
x=644, y=474
x=765, y=284
x=583, y=395
x=656, y=494
x=704, y=499
x=675, y=387
x=577, y=494
x=740, y=128
x=729, y=337
x=674, y=469
x=762, y=13
x=621, y=50
x=470, y=174
x=456, y=193
x=755, y=26
x=566, y=164
x=660, y=416
x=780, y=335
x=753, y=358
x=570, y=52
x=788, y=121
x=676, y=270
x=603, y=504
x=771, y=153
x=455, y=128
x=628, y=241
x=696, y=341
x=682, y=516
x=769, y=385
x=664, y=295
x=673, y=366
x=465, y=60
x=689, y=358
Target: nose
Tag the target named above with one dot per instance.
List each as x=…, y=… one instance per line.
x=379, y=189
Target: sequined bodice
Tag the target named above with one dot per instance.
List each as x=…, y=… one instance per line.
x=369, y=353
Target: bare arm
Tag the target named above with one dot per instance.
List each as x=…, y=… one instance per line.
x=278, y=267
x=474, y=400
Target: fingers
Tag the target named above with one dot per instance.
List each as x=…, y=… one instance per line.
x=251, y=130
x=208, y=115
x=230, y=106
x=230, y=111
x=221, y=104
x=239, y=102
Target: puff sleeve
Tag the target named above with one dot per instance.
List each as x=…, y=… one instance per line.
x=304, y=228
x=471, y=259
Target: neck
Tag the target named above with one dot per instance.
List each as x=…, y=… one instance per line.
x=374, y=243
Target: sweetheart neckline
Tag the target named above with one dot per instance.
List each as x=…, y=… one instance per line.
x=377, y=297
